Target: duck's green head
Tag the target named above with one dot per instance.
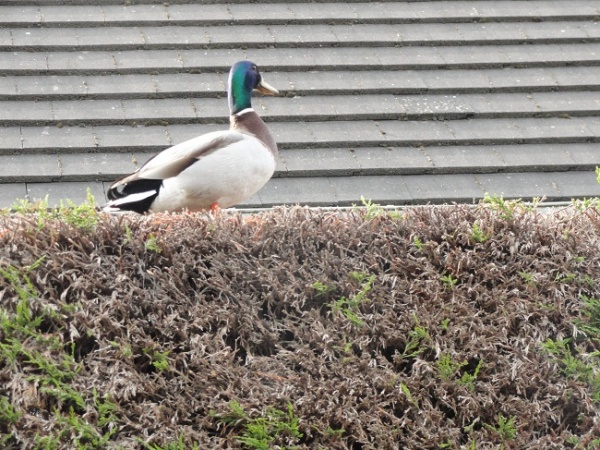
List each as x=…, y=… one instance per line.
x=244, y=77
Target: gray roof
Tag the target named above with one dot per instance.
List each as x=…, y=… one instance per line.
x=400, y=102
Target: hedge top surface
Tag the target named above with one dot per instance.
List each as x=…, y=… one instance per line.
x=449, y=327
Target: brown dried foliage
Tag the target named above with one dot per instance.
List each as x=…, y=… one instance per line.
x=245, y=310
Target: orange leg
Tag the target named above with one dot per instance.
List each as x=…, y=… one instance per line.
x=215, y=209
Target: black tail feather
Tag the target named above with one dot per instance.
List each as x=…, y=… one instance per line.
x=139, y=186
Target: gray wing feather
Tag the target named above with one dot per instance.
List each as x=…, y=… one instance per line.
x=174, y=160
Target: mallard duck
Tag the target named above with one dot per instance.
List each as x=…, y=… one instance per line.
x=212, y=171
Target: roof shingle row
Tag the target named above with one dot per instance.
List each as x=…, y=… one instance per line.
x=400, y=102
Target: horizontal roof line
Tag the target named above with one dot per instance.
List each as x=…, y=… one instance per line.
x=350, y=82
x=289, y=45
x=340, y=117
x=443, y=142
x=391, y=189
x=450, y=90
x=294, y=68
x=324, y=162
x=22, y=177
x=288, y=21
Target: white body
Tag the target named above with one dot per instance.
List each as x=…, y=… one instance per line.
x=221, y=168
x=227, y=176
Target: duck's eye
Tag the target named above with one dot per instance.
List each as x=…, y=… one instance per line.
x=254, y=69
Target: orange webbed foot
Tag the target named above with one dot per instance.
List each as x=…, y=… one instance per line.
x=215, y=209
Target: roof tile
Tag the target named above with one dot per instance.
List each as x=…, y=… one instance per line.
x=401, y=102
